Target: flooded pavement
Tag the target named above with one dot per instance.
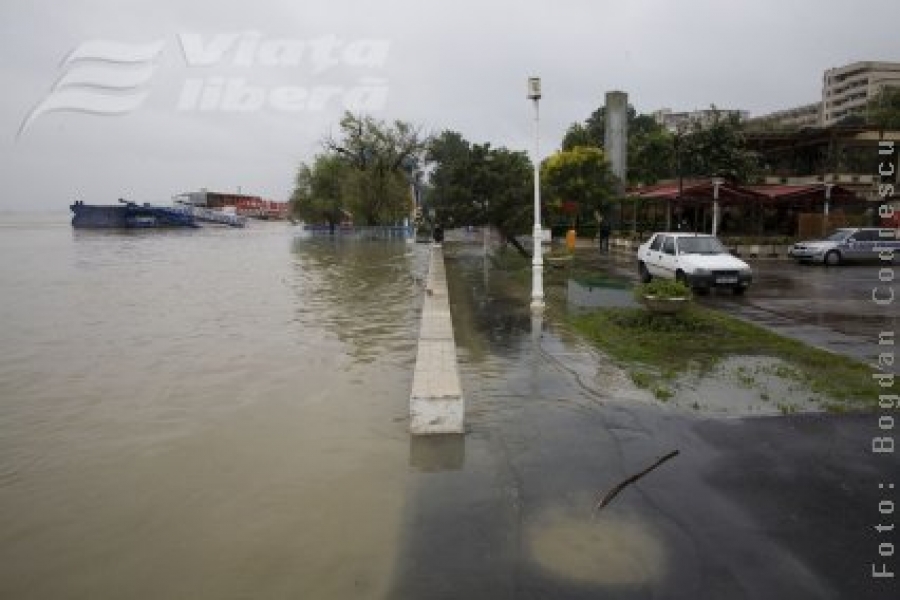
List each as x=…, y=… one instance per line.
x=750, y=508
x=828, y=307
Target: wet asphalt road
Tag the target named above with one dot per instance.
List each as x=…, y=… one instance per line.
x=768, y=508
x=827, y=307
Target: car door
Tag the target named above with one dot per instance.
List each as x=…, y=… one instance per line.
x=861, y=244
x=668, y=261
x=654, y=255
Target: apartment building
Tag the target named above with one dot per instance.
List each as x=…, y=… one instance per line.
x=847, y=89
x=673, y=121
x=808, y=115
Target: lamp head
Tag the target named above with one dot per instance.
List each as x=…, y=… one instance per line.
x=534, y=88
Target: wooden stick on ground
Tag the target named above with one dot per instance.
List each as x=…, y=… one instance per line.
x=614, y=492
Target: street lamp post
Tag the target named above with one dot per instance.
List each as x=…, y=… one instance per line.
x=828, y=187
x=715, y=213
x=414, y=208
x=537, y=264
x=486, y=226
x=826, y=208
x=679, y=133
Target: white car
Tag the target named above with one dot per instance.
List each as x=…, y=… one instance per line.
x=699, y=260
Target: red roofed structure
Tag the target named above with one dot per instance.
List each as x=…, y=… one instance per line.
x=743, y=209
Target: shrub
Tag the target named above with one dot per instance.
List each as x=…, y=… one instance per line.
x=662, y=288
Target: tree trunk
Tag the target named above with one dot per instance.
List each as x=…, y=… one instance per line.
x=512, y=240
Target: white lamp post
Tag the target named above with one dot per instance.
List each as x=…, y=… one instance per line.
x=414, y=207
x=715, y=216
x=537, y=263
x=486, y=227
x=826, y=208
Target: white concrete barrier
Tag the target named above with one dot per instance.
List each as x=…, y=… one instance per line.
x=436, y=403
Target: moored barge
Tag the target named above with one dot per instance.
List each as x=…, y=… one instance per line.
x=128, y=215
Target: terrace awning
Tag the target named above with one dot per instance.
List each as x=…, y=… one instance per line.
x=695, y=192
x=804, y=195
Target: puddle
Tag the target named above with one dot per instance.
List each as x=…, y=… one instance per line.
x=599, y=292
x=610, y=550
x=746, y=385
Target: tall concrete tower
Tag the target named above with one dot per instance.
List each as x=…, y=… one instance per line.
x=616, y=136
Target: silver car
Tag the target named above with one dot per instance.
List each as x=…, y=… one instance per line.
x=848, y=244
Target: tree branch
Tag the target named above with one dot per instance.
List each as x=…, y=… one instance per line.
x=615, y=491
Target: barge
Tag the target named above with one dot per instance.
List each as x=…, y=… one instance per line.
x=128, y=215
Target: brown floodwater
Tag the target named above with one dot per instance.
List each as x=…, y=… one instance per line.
x=202, y=414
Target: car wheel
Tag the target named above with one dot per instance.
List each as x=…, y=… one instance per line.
x=644, y=273
x=739, y=290
x=833, y=258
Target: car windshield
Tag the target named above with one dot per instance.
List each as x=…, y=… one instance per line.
x=700, y=245
x=839, y=236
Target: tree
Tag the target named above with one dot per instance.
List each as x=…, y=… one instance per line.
x=883, y=109
x=718, y=148
x=381, y=157
x=578, y=135
x=475, y=184
x=577, y=181
x=319, y=191
x=591, y=132
x=651, y=154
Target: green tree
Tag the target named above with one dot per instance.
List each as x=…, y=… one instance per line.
x=718, y=148
x=381, y=157
x=651, y=153
x=577, y=182
x=883, y=109
x=589, y=133
x=319, y=191
x=578, y=135
x=475, y=184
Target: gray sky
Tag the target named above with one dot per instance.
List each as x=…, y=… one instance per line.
x=290, y=65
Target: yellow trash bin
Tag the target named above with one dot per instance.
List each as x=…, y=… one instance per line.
x=570, y=240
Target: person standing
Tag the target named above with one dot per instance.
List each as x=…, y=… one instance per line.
x=604, y=235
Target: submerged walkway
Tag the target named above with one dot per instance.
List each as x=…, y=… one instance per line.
x=773, y=507
x=436, y=403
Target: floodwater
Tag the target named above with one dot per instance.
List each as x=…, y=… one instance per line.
x=223, y=414
x=202, y=414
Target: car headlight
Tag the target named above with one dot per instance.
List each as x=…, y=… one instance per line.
x=702, y=272
x=746, y=273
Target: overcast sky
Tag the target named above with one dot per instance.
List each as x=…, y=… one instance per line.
x=225, y=95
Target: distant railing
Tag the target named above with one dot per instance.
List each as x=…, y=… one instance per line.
x=382, y=232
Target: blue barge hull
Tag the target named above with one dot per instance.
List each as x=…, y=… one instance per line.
x=128, y=215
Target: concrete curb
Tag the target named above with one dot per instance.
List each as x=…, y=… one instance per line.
x=436, y=402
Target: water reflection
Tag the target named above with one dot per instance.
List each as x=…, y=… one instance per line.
x=367, y=293
x=601, y=293
x=433, y=453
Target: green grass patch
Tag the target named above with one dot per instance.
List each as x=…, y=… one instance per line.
x=654, y=347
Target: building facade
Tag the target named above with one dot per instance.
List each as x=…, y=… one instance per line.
x=846, y=90
x=673, y=121
x=808, y=115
